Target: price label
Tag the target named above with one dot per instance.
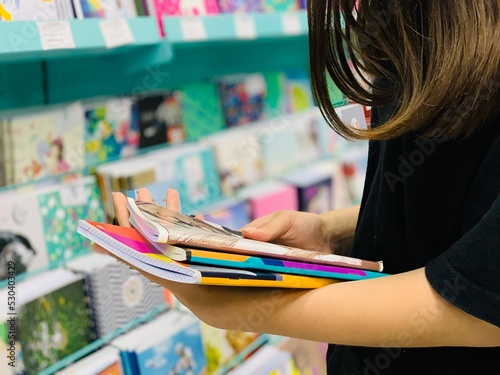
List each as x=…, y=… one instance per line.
x=55, y=35
x=116, y=32
x=244, y=26
x=193, y=29
x=291, y=25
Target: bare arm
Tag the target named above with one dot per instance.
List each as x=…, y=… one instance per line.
x=395, y=311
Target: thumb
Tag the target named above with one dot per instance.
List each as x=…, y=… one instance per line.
x=266, y=228
x=259, y=234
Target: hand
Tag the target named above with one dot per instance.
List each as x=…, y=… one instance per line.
x=329, y=232
x=216, y=305
x=122, y=214
x=291, y=228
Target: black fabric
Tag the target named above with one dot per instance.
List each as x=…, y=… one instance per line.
x=432, y=203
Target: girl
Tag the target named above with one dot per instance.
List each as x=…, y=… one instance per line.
x=431, y=206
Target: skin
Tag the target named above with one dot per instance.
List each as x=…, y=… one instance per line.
x=395, y=311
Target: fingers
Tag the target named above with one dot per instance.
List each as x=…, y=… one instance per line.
x=173, y=200
x=268, y=228
x=121, y=210
x=144, y=195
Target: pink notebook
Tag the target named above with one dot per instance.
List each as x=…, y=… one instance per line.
x=273, y=197
x=182, y=8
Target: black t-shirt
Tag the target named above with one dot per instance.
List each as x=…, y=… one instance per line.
x=435, y=204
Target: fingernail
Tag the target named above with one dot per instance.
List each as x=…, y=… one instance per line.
x=249, y=229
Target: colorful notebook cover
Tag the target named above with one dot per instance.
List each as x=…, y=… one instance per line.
x=92, y=8
x=129, y=245
x=238, y=155
x=117, y=294
x=219, y=259
x=60, y=209
x=202, y=112
x=54, y=326
x=161, y=226
x=222, y=345
x=22, y=234
x=12, y=10
x=179, y=351
x=242, y=98
x=298, y=91
x=240, y=6
x=152, y=127
x=160, y=119
x=190, y=169
x=109, y=131
x=47, y=143
x=197, y=179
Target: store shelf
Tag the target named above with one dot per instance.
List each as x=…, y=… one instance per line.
x=26, y=41
x=216, y=45
x=232, y=27
x=107, y=57
x=21, y=84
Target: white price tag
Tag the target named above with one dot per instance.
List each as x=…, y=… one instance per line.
x=55, y=35
x=244, y=26
x=290, y=23
x=116, y=32
x=193, y=29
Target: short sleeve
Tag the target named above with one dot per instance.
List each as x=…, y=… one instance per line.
x=468, y=274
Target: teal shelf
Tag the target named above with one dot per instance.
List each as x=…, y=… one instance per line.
x=220, y=45
x=231, y=27
x=30, y=75
x=20, y=40
x=21, y=84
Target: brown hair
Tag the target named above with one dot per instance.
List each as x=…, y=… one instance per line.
x=439, y=58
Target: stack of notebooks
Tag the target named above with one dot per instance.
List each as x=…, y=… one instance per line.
x=184, y=249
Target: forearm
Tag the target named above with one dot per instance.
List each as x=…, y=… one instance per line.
x=394, y=311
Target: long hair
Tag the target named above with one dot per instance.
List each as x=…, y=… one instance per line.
x=440, y=60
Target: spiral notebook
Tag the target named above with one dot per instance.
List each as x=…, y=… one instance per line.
x=130, y=246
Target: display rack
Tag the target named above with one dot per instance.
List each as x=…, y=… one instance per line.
x=27, y=40
x=223, y=44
